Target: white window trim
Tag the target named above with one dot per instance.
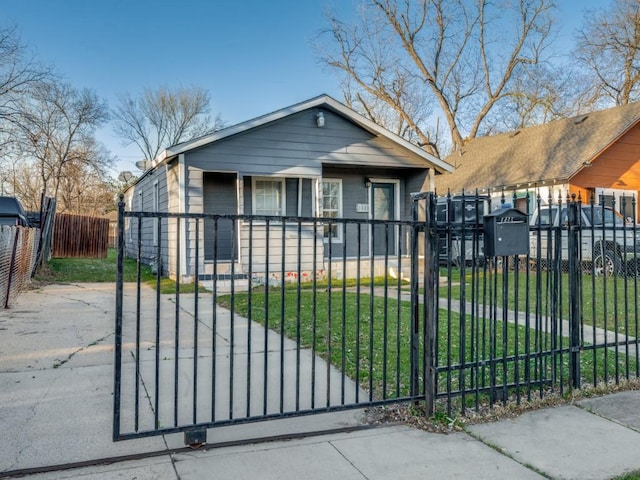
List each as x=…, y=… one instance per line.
x=338, y=239
x=283, y=194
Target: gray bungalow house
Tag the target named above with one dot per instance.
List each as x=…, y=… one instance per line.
x=317, y=158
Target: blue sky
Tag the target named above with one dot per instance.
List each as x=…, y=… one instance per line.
x=254, y=56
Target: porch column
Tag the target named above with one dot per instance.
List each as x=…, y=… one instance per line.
x=182, y=208
x=431, y=180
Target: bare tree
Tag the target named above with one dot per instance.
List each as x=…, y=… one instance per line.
x=164, y=117
x=459, y=58
x=19, y=73
x=85, y=192
x=608, y=48
x=85, y=188
x=538, y=95
x=57, y=131
x=26, y=186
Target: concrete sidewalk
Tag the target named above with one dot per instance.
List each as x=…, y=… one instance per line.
x=56, y=376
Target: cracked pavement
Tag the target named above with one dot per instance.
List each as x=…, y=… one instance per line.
x=56, y=362
x=59, y=322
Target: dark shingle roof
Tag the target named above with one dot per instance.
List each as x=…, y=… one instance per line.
x=554, y=151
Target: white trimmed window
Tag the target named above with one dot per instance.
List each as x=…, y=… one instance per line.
x=332, y=207
x=268, y=196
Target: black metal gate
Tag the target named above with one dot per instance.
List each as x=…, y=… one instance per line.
x=309, y=317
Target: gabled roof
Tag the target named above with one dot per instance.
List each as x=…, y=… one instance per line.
x=552, y=152
x=323, y=101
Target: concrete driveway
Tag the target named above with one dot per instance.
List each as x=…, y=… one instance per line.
x=57, y=377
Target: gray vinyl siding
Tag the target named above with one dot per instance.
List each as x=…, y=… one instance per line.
x=295, y=146
x=173, y=172
x=415, y=182
x=299, y=251
x=144, y=232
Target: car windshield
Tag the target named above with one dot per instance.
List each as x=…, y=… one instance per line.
x=599, y=216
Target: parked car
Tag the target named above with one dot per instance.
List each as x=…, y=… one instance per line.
x=606, y=239
x=460, y=220
x=12, y=213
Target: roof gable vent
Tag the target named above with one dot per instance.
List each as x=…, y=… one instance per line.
x=580, y=119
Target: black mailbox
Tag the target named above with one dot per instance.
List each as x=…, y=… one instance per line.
x=506, y=232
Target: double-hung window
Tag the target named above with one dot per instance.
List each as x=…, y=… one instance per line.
x=268, y=196
x=332, y=208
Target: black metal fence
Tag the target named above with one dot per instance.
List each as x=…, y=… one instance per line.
x=292, y=316
x=562, y=314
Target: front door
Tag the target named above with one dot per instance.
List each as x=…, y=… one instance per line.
x=220, y=198
x=383, y=207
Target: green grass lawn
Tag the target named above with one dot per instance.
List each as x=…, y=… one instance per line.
x=629, y=476
x=87, y=270
x=369, y=338
x=90, y=270
x=611, y=303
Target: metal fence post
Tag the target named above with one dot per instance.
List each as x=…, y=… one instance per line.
x=573, y=244
x=118, y=321
x=415, y=303
x=430, y=304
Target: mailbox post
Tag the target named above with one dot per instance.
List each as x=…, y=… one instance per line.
x=506, y=232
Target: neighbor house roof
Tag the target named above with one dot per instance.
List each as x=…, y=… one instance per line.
x=323, y=101
x=552, y=152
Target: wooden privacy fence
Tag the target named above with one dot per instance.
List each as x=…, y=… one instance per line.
x=80, y=236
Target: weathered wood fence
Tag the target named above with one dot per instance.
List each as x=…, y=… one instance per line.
x=79, y=236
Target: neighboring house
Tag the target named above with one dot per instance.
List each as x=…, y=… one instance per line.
x=313, y=159
x=597, y=153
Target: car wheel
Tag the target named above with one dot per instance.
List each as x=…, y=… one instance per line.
x=608, y=265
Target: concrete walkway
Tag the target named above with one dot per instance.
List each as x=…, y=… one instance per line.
x=56, y=381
